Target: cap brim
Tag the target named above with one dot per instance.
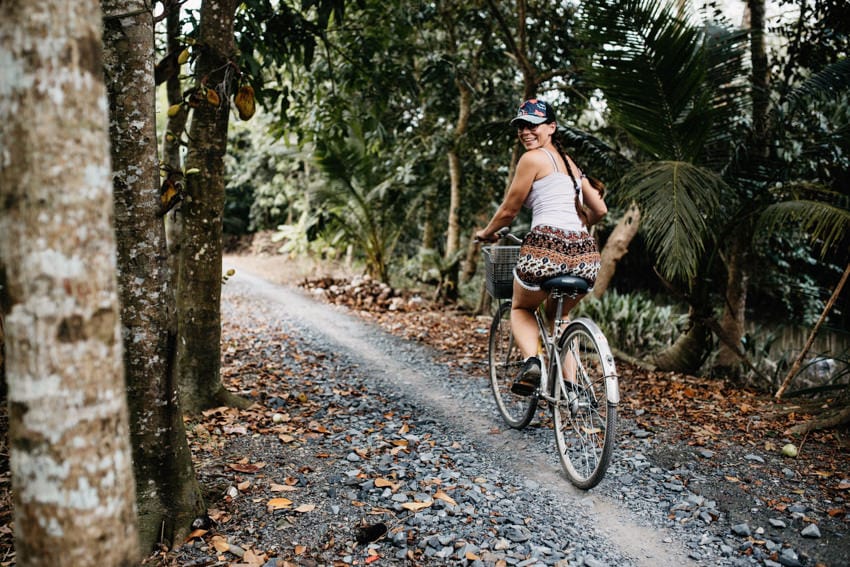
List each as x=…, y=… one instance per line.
x=530, y=118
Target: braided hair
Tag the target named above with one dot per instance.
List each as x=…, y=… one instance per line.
x=595, y=183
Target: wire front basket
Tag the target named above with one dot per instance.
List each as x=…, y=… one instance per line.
x=499, y=262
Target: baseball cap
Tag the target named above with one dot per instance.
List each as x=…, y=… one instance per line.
x=534, y=111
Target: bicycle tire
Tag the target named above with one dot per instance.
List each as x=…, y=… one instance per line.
x=585, y=430
x=505, y=361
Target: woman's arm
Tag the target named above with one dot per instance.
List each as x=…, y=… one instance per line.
x=593, y=202
x=526, y=172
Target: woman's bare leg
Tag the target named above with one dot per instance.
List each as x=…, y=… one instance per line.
x=522, y=318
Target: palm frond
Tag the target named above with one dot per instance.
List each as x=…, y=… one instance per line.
x=825, y=223
x=828, y=84
x=657, y=73
x=591, y=149
x=676, y=199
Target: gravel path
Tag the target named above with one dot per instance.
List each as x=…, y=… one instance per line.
x=416, y=458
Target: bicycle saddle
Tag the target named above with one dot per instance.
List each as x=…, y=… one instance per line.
x=566, y=283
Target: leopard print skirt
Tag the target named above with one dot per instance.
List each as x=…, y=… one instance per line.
x=548, y=252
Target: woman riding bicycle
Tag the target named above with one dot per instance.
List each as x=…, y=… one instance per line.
x=564, y=204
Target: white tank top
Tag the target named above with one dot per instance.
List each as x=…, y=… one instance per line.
x=552, y=200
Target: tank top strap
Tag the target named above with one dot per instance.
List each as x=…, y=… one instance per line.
x=552, y=158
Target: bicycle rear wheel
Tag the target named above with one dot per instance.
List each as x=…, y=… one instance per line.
x=585, y=414
x=505, y=361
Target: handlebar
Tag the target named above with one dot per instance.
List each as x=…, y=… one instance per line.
x=505, y=232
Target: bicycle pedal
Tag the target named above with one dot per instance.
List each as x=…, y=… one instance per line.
x=572, y=401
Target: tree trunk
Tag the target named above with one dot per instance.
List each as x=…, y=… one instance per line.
x=428, y=233
x=450, y=279
x=761, y=73
x=168, y=496
x=688, y=352
x=69, y=439
x=728, y=355
x=616, y=247
x=199, y=287
x=172, y=141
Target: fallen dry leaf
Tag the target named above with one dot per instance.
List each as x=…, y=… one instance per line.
x=278, y=503
x=385, y=482
x=416, y=506
x=246, y=468
x=195, y=534
x=253, y=559
x=304, y=508
x=220, y=544
x=440, y=495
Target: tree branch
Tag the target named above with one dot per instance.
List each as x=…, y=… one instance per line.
x=799, y=361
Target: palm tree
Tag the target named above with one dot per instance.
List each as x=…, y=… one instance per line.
x=682, y=95
x=364, y=200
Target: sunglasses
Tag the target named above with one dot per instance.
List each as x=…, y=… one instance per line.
x=520, y=126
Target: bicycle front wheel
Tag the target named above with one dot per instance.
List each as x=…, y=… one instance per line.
x=585, y=412
x=505, y=361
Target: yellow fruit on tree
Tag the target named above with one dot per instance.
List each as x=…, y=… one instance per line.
x=183, y=57
x=244, y=101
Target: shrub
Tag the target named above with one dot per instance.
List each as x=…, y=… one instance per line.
x=634, y=323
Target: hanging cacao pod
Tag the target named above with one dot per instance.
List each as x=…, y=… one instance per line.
x=195, y=98
x=244, y=101
x=213, y=98
x=183, y=57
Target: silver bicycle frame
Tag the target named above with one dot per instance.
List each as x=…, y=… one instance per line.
x=610, y=372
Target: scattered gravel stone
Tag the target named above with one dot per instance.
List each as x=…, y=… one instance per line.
x=788, y=557
x=742, y=530
x=811, y=531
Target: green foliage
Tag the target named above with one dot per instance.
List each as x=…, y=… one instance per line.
x=634, y=323
x=788, y=290
x=268, y=180
x=826, y=223
x=276, y=39
x=366, y=199
x=683, y=95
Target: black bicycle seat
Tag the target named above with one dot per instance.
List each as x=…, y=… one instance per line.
x=566, y=283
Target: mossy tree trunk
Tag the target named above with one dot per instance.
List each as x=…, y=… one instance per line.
x=69, y=438
x=734, y=312
x=168, y=496
x=199, y=284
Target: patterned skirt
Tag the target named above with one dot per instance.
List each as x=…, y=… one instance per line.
x=548, y=252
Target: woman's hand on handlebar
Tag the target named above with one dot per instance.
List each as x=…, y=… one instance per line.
x=481, y=236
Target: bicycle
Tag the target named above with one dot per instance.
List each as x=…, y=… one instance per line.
x=584, y=411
